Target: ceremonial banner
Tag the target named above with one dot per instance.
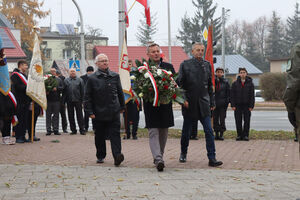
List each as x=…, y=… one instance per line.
x=124, y=72
x=209, y=53
x=4, y=75
x=35, y=86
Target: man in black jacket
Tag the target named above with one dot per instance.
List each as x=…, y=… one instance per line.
x=104, y=101
x=74, y=91
x=196, y=80
x=62, y=108
x=242, y=102
x=18, y=87
x=222, y=96
x=89, y=71
x=158, y=119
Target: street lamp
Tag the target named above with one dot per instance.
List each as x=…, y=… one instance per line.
x=223, y=37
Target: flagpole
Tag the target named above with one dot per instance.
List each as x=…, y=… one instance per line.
x=32, y=121
x=131, y=7
x=169, y=33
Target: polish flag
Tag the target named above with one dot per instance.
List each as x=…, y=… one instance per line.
x=126, y=15
x=146, y=4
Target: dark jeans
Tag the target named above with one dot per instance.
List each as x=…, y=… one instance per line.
x=62, y=110
x=133, y=118
x=242, y=112
x=209, y=136
x=22, y=115
x=86, y=121
x=52, y=116
x=78, y=107
x=194, y=130
x=6, y=126
x=112, y=128
x=219, y=115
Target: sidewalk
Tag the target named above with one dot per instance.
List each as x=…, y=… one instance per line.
x=258, y=169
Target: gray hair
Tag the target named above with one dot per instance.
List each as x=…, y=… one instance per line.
x=197, y=44
x=153, y=44
x=100, y=55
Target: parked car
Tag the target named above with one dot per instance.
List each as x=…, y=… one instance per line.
x=258, y=97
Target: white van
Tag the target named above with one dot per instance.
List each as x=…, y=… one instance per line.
x=258, y=97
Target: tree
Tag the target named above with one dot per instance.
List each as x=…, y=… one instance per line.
x=192, y=28
x=23, y=15
x=275, y=46
x=251, y=52
x=293, y=28
x=145, y=33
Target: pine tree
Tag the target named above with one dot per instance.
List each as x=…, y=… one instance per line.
x=145, y=33
x=192, y=28
x=293, y=28
x=251, y=52
x=23, y=15
x=275, y=46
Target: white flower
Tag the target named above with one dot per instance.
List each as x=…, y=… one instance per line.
x=146, y=75
x=169, y=72
x=132, y=77
x=159, y=71
x=141, y=95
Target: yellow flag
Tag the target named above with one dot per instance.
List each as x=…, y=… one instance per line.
x=35, y=86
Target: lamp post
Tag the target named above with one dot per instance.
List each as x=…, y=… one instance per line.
x=81, y=35
x=223, y=38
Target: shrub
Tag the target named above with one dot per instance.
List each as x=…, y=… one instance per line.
x=273, y=86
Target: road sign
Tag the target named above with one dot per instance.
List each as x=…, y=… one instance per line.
x=205, y=34
x=74, y=64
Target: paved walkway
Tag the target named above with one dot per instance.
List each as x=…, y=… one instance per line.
x=258, y=169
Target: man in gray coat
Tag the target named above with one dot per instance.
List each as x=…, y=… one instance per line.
x=74, y=91
x=292, y=93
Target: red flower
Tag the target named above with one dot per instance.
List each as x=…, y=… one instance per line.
x=150, y=89
x=164, y=79
x=174, y=96
x=166, y=87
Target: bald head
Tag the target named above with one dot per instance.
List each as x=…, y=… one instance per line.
x=102, y=61
x=72, y=73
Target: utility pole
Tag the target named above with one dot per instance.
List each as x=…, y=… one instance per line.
x=81, y=35
x=121, y=25
x=169, y=33
x=223, y=40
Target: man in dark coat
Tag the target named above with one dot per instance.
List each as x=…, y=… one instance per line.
x=89, y=71
x=242, y=102
x=62, y=108
x=18, y=87
x=222, y=96
x=196, y=80
x=158, y=119
x=104, y=101
x=292, y=93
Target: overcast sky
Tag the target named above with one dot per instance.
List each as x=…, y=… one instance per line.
x=103, y=14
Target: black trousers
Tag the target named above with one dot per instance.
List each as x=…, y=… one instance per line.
x=219, y=115
x=194, y=129
x=112, y=128
x=62, y=111
x=78, y=107
x=6, y=128
x=242, y=113
x=29, y=122
x=133, y=118
x=22, y=115
x=86, y=121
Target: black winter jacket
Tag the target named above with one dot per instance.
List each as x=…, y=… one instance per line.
x=242, y=95
x=7, y=109
x=74, y=89
x=18, y=88
x=196, y=79
x=104, y=96
x=161, y=116
x=222, y=92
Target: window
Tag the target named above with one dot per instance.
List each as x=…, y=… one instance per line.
x=67, y=54
x=48, y=54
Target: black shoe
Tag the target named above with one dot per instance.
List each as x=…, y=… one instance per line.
x=160, y=166
x=246, y=138
x=296, y=139
x=214, y=163
x=73, y=133
x=101, y=160
x=238, y=138
x=194, y=138
x=35, y=139
x=217, y=136
x=48, y=133
x=221, y=136
x=18, y=140
x=56, y=133
x=182, y=158
x=65, y=131
x=134, y=138
x=119, y=158
x=82, y=132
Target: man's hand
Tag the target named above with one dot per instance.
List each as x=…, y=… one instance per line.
x=233, y=108
x=186, y=104
x=123, y=110
x=250, y=109
x=92, y=116
x=54, y=89
x=212, y=108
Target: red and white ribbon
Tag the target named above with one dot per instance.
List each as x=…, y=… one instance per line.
x=146, y=67
x=21, y=76
x=165, y=71
x=14, y=120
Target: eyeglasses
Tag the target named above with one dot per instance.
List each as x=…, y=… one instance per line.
x=102, y=61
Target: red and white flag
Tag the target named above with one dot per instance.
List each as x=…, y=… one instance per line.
x=126, y=15
x=146, y=4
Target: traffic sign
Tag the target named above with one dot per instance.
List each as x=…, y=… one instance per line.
x=74, y=64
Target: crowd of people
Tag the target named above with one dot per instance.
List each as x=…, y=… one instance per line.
x=101, y=97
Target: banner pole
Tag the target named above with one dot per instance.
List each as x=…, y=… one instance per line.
x=32, y=121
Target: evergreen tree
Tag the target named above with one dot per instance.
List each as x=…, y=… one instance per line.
x=23, y=14
x=275, y=46
x=293, y=28
x=192, y=28
x=145, y=33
